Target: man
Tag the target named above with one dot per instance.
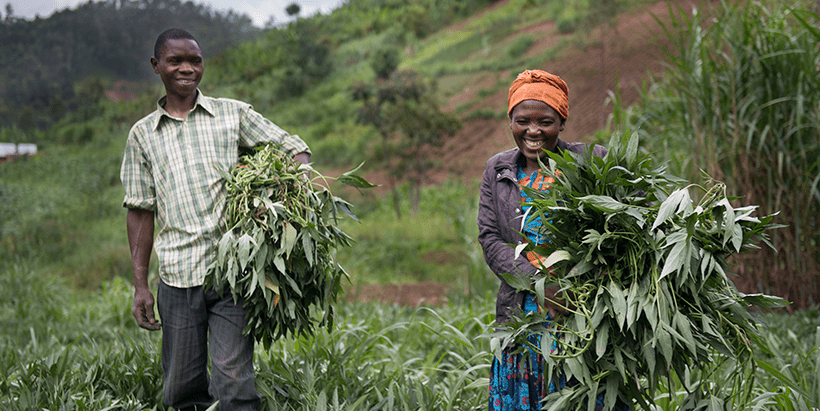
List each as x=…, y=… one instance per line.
x=170, y=173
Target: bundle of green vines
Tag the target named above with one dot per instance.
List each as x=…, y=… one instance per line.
x=278, y=252
x=642, y=270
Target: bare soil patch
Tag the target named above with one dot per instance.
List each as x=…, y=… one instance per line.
x=412, y=295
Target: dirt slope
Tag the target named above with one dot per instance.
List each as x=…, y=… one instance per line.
x=633, y=50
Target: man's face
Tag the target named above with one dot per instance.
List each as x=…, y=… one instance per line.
x=180, y=66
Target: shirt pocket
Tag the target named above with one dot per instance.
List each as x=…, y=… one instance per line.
x=217, y=148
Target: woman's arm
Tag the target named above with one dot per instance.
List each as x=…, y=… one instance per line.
x=498, y=253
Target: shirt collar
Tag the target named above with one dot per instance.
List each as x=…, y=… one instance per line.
x=201, y=101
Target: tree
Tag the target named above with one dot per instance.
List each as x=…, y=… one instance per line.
x=421, y=125
x=404, y=111
x=384, y=61
x=293, y=9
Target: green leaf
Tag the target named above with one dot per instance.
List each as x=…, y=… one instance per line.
x=632, y=150
x=580, y=269
x=684, y=327
x=345, y=208
x=224, y=247
x=540, y=285
x=676, y=257
x=601, y=340
x=611, y=395
x=782, y=377
x=764, y=301
x=619, y=362
x=664, y=339
x=618, y=303
x=354, y=180
x=288, y=238
x=271, y=285
x=518, y=284
x=670, y=205
x=243, y=250
x=556, y=257
x=715, y=403
x=279, y=263
x=648, y=351
x=603, y=203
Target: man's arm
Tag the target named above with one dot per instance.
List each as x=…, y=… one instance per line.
x=140, y=224
x=302, y=157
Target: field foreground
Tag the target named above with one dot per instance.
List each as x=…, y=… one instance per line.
x=78, y=350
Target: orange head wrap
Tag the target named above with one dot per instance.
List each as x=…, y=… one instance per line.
x=542, y=86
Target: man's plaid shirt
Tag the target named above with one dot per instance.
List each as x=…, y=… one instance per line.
x=171, y=166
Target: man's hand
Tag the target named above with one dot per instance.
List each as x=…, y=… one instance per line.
x=141, y=241
x=143, y=309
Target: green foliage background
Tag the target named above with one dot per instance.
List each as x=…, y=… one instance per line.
x=69, y=341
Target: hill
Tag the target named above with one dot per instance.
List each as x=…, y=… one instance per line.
x=593, y=69
x=633, y=51
x=309, y=77
x=472, y=54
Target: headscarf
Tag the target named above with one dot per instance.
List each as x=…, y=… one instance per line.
x=542, y=86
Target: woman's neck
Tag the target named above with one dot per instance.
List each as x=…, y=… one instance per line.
x=529, y=167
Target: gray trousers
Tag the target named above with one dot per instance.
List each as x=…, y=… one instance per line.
x=196, y=324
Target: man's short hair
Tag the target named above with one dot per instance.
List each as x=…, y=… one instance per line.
x=170, y=34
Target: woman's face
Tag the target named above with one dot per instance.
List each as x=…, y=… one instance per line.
x=535, y=127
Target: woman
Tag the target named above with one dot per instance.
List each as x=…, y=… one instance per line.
x=538, y=106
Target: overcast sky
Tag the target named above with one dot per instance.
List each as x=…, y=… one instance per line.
x=258, y=10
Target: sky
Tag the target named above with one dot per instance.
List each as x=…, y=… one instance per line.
x=258, y=10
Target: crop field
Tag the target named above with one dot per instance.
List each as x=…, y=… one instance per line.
x=72, y=350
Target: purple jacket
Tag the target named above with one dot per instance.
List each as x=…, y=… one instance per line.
x=499, y=223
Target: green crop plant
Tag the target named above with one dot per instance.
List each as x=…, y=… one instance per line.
x=278, y=253
x=642, y=270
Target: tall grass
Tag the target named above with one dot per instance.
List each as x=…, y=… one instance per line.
x=741, y=100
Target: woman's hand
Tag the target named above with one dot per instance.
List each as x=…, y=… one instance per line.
x=557, y=311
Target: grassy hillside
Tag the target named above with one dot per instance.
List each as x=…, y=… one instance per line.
x=62, y=206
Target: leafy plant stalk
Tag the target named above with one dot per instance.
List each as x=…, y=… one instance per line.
x=278, y=253
x=642, y=270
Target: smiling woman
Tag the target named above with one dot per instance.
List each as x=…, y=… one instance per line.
x=535, y=127
x=538, y=106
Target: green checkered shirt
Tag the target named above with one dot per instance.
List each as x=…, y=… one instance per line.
x=171, y=166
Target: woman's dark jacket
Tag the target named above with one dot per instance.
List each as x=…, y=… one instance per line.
x=499, y=223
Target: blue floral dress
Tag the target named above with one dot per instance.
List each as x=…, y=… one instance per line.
x=517, y=381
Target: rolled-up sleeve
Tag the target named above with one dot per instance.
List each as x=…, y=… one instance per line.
x=137, y=177
x=255, y=129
